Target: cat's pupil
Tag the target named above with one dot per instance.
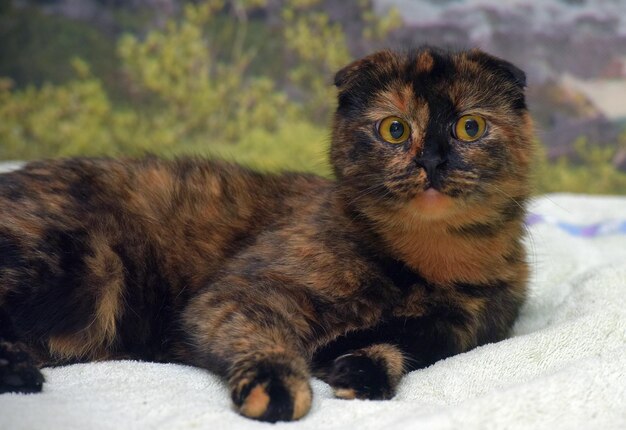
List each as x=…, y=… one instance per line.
x=396, y=129
x=471, y=127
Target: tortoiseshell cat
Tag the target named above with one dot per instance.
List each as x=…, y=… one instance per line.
x=414, y=253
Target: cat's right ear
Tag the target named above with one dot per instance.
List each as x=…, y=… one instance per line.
x=365, y=67
x=500, y=66
x=343, y=76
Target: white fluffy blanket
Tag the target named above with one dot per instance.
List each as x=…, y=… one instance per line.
x=564, y=367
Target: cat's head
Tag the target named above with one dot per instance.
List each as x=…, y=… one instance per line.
x=432, y=132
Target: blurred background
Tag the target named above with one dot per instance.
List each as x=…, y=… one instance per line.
x=250, y=80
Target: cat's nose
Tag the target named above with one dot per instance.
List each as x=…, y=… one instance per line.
x=430, y=164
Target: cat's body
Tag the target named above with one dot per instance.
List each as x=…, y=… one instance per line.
x=413, y=254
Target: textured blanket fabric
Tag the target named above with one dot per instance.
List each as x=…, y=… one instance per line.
x=564, y=366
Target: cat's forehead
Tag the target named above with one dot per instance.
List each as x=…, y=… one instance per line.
x=428, y=78
x=409, y=82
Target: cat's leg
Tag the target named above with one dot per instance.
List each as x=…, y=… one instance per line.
x=255, y=346
x=372, y=372
x=61, y=297
x=369, y=363
x=18, y=372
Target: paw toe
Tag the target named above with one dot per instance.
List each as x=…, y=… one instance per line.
x=256, y=403
x=345, y=393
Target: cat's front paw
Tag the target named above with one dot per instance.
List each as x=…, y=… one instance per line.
x=358, y=376
x=271, y=391
x=18, y=374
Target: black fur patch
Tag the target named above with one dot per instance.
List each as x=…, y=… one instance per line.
x=362, y=146
x=514, y=210
x=481, y=230
x=82, y=190
x=367, y=377
x=49, y=300
x=7, y=332
x=478, y=291
x=10, y=253
x=424, y=340
x=145, y=327
x=11, y=187
x=18, y=374
x=401, y=275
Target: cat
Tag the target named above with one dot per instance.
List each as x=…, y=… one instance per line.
x=413, y=253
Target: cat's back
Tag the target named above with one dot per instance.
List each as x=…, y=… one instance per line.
x=151, y=189
x=189, y=214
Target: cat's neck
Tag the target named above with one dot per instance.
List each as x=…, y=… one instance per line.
x=440, y=250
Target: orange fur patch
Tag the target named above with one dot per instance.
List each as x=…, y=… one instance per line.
x=345, y=393
x=432, y=204
x=427, y=246
x=256, y=403
x=302, y=400
x=425, y=62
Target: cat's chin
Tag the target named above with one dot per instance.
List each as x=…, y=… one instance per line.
x=433, y=204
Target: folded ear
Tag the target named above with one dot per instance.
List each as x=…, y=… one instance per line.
x=365, y=67
x=500, y=66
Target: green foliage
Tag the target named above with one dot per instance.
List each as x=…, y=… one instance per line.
x=181, y=95
x=594, y=174
x=54, y=120
x=377, y=28
x=191, y=91
x=37, y=48
x=320, y=50
x=300, y=146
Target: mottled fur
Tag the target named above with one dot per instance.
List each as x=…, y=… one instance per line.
x=269, y=279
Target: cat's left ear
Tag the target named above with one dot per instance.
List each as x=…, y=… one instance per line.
x=502, y=67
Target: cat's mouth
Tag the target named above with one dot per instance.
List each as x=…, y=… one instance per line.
x=433, y=203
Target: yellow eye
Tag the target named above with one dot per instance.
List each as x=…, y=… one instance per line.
x=470, y=128
x=394, y=129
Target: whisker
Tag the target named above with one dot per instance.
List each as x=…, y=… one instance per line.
x=369, y=191
x=533, y=247
x=501, y=191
